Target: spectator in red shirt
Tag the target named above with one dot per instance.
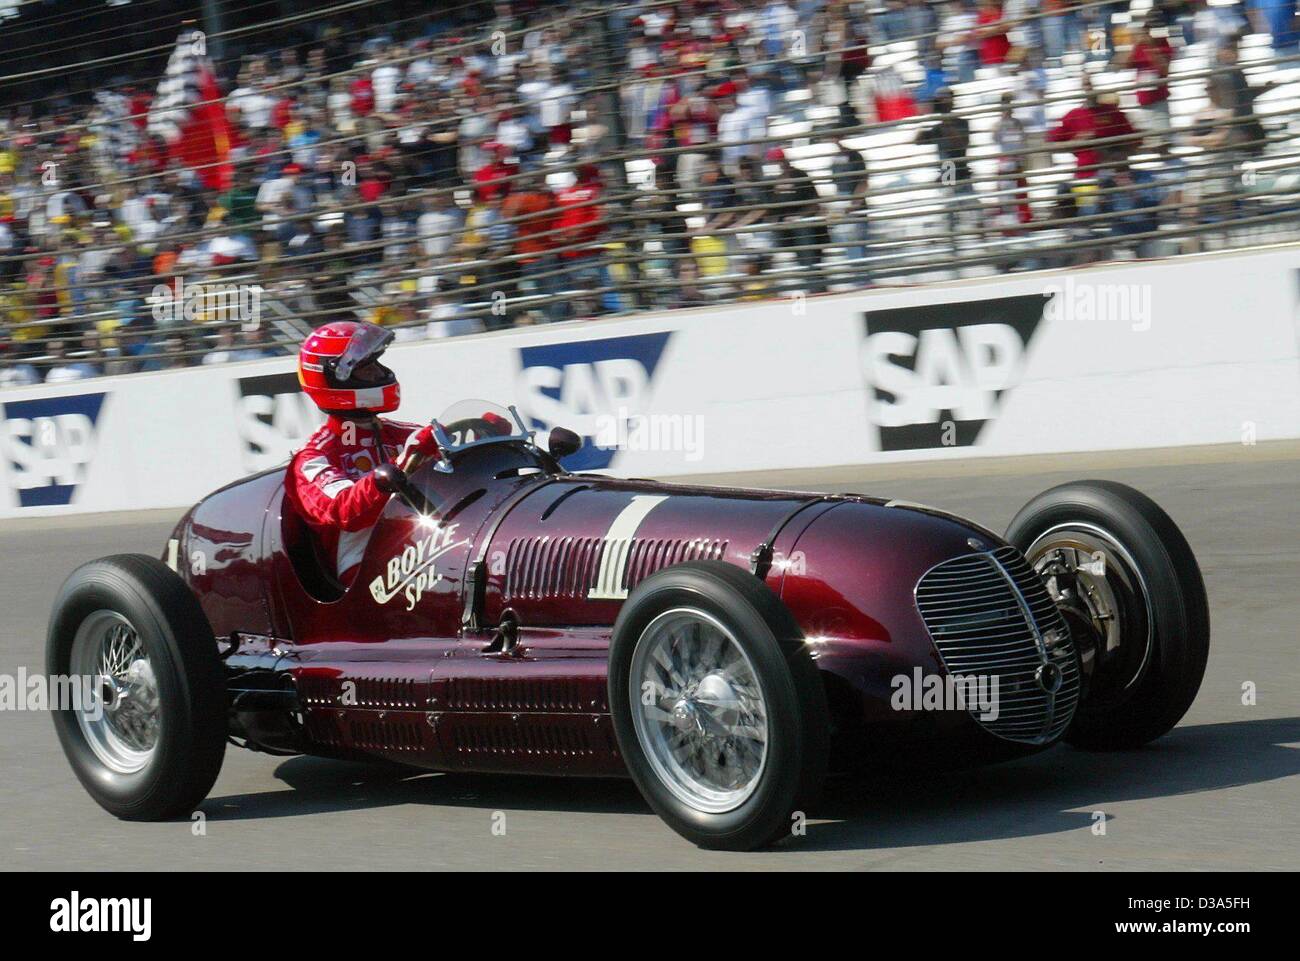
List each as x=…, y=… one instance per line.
x=1149, y=56
x=371, y=187
x=490, y=179
x=282, y=112
x=992, y=33
x=1087, y=123
x=362, y=91
x=581, y=220
x=694, y=121
x=579, y=224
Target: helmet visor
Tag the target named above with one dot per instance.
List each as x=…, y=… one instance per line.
x=366, y=344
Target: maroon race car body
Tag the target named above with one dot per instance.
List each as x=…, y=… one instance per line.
x=434, y=685
x=477, y=634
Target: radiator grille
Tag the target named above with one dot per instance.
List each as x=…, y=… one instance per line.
x=990, y=616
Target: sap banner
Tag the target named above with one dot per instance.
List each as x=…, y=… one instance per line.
x=1201, y=350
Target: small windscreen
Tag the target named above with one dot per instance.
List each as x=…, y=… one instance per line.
x=470, y=421
x=369, y=342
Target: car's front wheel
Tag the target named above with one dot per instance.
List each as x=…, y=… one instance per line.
x=148, y=736
x=719, y=712
x=1129, y=585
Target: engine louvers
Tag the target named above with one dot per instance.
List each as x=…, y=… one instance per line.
x=532, y=694
x=561, y=737
x=389, y=693
x=540, y=568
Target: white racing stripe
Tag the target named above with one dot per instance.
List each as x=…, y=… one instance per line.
x=618, y=542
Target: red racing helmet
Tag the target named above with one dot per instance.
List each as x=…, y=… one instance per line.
x=339, y=369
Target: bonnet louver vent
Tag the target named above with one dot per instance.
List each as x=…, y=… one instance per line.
x=539, y=568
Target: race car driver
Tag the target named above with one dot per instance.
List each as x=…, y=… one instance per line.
x=341, y=479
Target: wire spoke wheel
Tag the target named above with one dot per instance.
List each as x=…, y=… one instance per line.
x=149, y=744
x=124, y=719
x=698, y=710
x=718, y=708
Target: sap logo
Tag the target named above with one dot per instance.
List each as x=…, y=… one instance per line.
x=581, y=385
x=49, y=444
x=938, y=372
x=273, y=417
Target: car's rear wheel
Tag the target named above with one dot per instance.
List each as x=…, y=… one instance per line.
x=719, y=712
x=1130, y=587
x=148, y=742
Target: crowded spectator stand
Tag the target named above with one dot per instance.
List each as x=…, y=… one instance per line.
x=490, y=166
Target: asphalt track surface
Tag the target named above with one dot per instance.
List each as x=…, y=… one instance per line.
x=1222, y=791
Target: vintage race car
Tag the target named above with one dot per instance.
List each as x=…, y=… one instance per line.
x=723, y=647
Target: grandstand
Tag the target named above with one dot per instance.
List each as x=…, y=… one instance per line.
x=185, y=183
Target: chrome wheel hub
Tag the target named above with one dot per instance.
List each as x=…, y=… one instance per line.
x=698, y=710
x=710, y=708
x=123, y=723
x=1089, y=573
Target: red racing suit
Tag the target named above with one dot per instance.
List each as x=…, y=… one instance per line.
x=330, y=484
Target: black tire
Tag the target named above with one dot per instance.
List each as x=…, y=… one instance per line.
x=1172, y=606
x=797, y=745
x=190, y=682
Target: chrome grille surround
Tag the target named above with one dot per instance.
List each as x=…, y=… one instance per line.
x=990, y=616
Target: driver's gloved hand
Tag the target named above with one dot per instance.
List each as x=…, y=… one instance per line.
x=389, y=478
x=419, y=442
